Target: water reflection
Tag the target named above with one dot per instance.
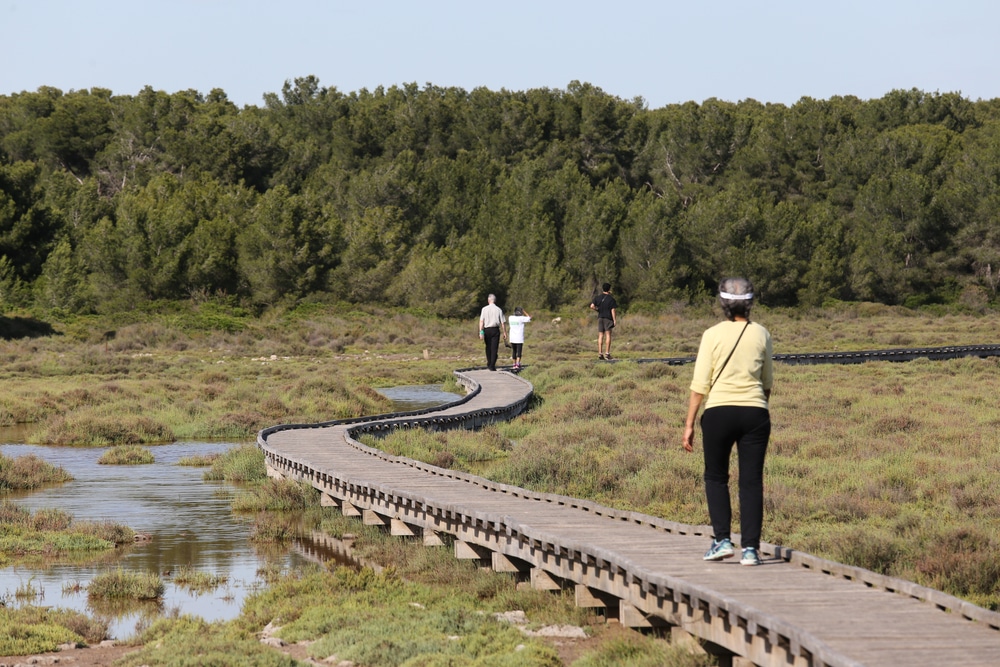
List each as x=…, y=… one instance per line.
x=417, y=397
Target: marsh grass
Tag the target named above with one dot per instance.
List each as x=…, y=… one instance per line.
x=244, y=463
x=27, y=629
x=28, y=590
x=275, y=495
x=29, y=472
x=888, y=466
x=381, y=619
x=639, y=650
x=127, y=455
x=125, y=584
x=198, y=581
x=198, y=460
x=160, y=380
x=267, y=528
x=189, y=640
x=52, y=534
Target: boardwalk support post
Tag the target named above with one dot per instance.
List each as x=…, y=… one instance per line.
x=401, y=528
x=432, y=538
x=543, y=581
x=504, y=563
x=372, y=518
x=587, y=597
x=347, y=509
x=631, y=617
x=470, y=551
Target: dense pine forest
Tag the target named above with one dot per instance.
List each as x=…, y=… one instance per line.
x=431, y=197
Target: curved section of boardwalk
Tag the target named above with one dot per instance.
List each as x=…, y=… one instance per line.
x=794, y=610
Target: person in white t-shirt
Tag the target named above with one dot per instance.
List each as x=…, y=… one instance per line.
x=516, y=323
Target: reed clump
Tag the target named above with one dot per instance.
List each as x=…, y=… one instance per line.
x=198, y=460
x=52, y=534
x=244, y=463
x=127, y=455
x=198, y=581
x=29, y=472
x=126, y=584
x=276, y=495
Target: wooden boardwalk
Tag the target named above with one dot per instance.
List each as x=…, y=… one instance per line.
x=796, y=609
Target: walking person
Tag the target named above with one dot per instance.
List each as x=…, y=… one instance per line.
x=607, y=319
x=734, y=369
x=491, y=328
x=516, y=323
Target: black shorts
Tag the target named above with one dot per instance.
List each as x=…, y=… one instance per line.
x=605, y=324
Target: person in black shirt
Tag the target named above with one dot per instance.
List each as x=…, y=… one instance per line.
x=607, y=318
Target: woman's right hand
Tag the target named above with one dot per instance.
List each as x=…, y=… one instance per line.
x=688, y=442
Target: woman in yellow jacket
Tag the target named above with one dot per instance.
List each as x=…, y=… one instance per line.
x=734, y=370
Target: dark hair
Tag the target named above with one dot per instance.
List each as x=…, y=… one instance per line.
x=733, y=308
x=606, y=287
x=519, y=311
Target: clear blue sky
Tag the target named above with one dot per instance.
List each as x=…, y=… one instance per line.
x=665, y=51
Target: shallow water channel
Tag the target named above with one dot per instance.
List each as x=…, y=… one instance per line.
x=188, y=519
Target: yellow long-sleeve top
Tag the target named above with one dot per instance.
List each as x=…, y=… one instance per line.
x=747, y=375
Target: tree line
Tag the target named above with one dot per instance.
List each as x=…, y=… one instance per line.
x=432, y=197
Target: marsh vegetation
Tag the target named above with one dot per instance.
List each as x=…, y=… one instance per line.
x=885, y=466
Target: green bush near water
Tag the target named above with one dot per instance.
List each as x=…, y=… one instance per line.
x=29, y=472
x=127, y=455
x=276, y=495
x=380, y=620
x=198, y=581
x=244, y=463
x=188, y=641
x=52, y=534
x=28, y=629
x=198, y=461
x=126, y=584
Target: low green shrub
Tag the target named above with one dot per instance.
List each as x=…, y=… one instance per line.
x=127, y=584
x=244, y=463
x=380, y=619
x=99, y=430
x=276, y=495
x=641, y=651
x=115, y=533
x=29, y=472
x=198, y=461
x=26, y=630
x=268, y=528
x=187, y=641
x=198, y=581
x=127, y=455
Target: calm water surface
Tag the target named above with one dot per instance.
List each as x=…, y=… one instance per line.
x=417, y=397
x=188, y=518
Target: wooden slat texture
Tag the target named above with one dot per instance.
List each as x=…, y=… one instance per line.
x=787, y=607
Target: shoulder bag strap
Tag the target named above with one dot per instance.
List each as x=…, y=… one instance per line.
x=723, y=367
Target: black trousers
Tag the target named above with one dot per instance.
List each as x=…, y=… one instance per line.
x=749, y=429
x=491, y=336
